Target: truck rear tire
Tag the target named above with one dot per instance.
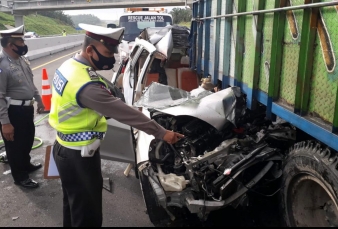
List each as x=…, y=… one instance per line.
x=310, y=186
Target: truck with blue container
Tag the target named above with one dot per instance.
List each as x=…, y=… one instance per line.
x=273, y=125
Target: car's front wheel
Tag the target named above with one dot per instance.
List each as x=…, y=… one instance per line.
x=157, y=215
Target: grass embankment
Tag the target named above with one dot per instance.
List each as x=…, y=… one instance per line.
x=186, y=24
x=42, y=25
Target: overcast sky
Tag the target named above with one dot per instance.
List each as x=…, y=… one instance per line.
x=104, y=14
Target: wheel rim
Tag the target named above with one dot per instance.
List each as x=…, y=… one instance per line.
x=311, y=203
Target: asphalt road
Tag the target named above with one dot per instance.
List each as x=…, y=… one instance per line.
x=122, y=207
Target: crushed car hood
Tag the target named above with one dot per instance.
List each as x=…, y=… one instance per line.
x=213, y=108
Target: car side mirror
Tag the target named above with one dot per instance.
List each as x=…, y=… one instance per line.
x=111, y=25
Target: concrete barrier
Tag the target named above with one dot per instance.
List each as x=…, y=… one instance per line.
x=45, y=46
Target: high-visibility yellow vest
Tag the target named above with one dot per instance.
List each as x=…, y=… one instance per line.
x=64, y=34
x=75, y=124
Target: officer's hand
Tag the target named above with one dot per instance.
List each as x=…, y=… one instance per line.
x=40, y=108
x=8, y=132
x=172, y=137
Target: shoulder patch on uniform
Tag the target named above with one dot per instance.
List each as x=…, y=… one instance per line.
x=26, y=60
x=59, y=82
x=92, y=74
x=103, y=87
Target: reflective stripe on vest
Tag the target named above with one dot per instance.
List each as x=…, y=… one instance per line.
x=68, y=113
x=78, y=137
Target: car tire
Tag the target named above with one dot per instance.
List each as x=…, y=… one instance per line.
x=310, y=186
x=157, y=215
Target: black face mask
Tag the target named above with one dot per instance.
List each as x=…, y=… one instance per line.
x=104, y=63
x=22, y=50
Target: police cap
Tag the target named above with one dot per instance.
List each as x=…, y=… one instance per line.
x=111, y=38
x=15, y=32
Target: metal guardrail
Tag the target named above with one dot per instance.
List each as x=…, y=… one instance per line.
x=45, y=46
x=59, y=35
x=40, y=5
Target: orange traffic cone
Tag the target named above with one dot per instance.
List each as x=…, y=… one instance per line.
x=46, y=94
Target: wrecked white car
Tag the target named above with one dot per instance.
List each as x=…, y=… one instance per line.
x=227, y=149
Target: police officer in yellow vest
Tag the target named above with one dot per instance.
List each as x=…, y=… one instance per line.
x=80, y=102
x=64, y=33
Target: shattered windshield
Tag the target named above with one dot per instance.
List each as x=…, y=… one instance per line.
x=214, y=108
x=160, y=96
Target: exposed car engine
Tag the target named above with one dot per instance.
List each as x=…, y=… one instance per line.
x=209, y=168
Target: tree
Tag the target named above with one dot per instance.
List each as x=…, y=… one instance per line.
x=181, y=15
x=86, y=18
x=59, y=15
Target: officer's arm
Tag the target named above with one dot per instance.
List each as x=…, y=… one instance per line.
x=99, y=98
x=115, y=91
x=3, y=102
x=37, y=96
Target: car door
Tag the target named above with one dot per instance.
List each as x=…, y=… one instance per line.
x=119, y=141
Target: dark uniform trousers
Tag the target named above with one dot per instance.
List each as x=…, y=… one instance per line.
x=22, y=119
x=82, y=184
